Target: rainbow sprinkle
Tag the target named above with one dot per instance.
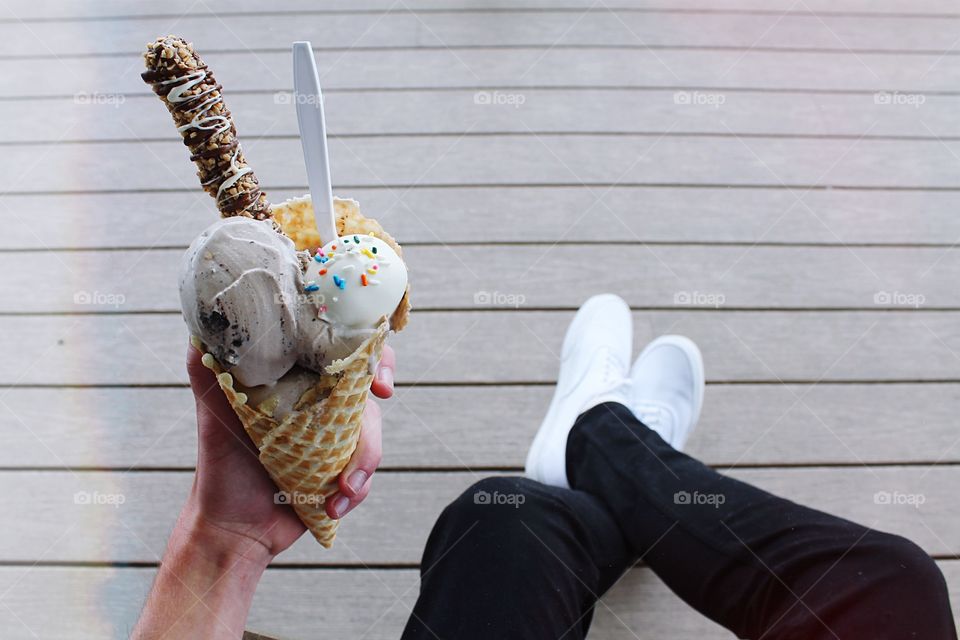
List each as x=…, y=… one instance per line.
x=367, y=253
x=340, y=282
x=363, y=279
x=312, y=286
x=323, y=308
x=323, y=272
x=374, y=249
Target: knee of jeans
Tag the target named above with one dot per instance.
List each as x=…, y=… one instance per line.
x=499, y=501
x=916, y=571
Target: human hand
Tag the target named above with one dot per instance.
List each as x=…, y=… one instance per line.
x=232, y=492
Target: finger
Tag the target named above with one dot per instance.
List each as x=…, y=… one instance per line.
x=218, y=426
x=340, y=505
x=201, y=378
x=382, y=386
x=366, y=457
x=203, y=382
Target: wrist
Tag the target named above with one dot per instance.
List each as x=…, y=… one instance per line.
x=216, y=546
x=205, y=583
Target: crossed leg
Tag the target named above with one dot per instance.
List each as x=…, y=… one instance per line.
x=513, y=558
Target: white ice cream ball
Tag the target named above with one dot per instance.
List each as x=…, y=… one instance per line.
x=239, y=294
x=356, y=280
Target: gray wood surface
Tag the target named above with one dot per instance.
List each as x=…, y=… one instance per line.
x=496, y=67
x=399, y=162
x=537, y=27
x=538, y=276
x=452, y=427
x=455, y=346
x=567, y=214
x=125, y=517
x=175, y=9
x=670, y=112
x=791, y=168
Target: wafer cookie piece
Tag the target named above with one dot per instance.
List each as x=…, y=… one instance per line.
x=195, y=100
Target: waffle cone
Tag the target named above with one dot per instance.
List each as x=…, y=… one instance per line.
x=306, y=451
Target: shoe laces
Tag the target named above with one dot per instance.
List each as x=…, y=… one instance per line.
x=607, y=374
x=655, y=416
x=612, y=368
x=649, y=414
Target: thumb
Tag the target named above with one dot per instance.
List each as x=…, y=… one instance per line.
x=217, y=423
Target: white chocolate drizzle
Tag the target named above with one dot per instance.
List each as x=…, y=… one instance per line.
x=203, y=121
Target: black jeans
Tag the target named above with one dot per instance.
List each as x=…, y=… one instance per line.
x=512, y=558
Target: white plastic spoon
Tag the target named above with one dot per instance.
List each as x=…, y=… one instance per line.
x=313, y=138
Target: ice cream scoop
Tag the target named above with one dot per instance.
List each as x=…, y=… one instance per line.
x=261, y=307
x=239, y=282
x=360, y=278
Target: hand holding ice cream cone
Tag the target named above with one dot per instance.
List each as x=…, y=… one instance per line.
x=233, y=491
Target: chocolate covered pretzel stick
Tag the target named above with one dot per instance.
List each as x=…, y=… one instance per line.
x=194, y=99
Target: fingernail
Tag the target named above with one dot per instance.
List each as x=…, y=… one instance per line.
x=357, y=479
x=340, y=505
x=386, y=376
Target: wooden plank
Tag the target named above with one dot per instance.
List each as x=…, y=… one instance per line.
x=118, y=517
x=516, y=346
x=484, y=28
x=43, y=10
x=450, y=427
x=110, y=79
x=352, y=113
x=402, y=161
x=98, y=603
x=548, y=214
x=540, y=276
x=105, y=602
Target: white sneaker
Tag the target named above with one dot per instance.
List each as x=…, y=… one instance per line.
x=593, y=370
x=666, y=388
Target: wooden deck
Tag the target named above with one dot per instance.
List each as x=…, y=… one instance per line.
x=778, y=179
